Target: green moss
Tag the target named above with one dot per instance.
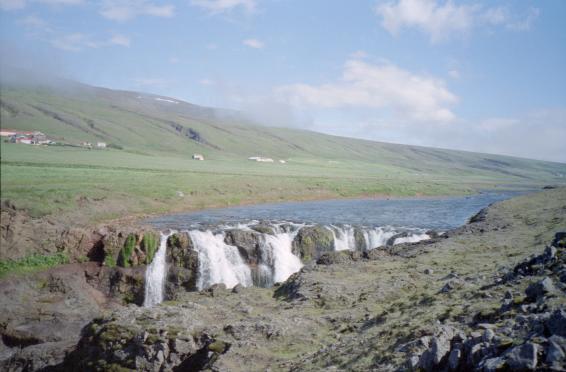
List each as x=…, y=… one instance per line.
x=125, y=256
x=109, y=261
x=149, y=246
x=34, y=262
x=174, y=240
x=218, y=347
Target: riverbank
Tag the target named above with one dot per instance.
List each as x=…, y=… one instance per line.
x=349, y=312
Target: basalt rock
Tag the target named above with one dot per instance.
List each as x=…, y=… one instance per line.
x=247, y=243
x=391, y=241
x=126, y=343
x=183, y=265
x=312, y=241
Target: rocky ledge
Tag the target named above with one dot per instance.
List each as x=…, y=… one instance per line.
x=488, y=296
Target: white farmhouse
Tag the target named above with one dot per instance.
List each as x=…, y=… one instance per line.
x=260, y=159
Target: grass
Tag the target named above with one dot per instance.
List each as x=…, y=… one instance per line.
x=35, y=262
x=154, y=165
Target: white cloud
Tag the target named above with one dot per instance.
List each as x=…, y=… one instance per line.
x=74, y=42
x=120, y=40
x=358, y=54
x=377, y=86
x=253, y=43
x=537, y=135
x=60, y=2
x=151, y=82
x=12, y=4
x=77, y=41
x=454, y=73
x=20, y=4
x=525, y=23
x=124, y=10
x=206, y=82
x=218, y=6
x=444, y=20
x=33, y=21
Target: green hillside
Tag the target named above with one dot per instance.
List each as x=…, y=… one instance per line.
x=158, y=135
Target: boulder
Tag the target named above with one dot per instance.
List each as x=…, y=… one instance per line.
x=312, y=241
x=247, y=242
x=439, y=349
x=217, y=290
x=455, y=358
x=556, y=351
x=556, y=323
x=559, y=240
x=391, y=241
x=539, y=289
x=263, y=229
x=523, y=357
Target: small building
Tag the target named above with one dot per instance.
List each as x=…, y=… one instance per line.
x=23, y=139
x=282, y=161
x=260, y=159
x=8, y=132
x=101, y=145
x=198, y=157
x=86, y=144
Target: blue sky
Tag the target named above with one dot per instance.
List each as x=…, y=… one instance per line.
x=474, y=75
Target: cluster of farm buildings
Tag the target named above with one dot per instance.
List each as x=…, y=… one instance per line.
x=252, y=158
x=38, y=138
x=25, y=137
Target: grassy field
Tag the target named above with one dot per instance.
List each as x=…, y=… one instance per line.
x=154, y=168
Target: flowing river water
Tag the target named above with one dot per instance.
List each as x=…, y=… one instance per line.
x=358, y=224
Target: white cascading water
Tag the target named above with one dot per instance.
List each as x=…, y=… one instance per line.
x=278, y=253
x=411, y=238
x=218, y=261
x=155, y=274
x=343, y=238
x=377, y=237
x=222, y=263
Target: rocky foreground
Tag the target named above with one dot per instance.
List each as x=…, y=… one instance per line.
x=488, y=296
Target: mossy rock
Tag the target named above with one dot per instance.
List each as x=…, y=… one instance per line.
x=312, y=241
x=263, y=229
x=219, y=347
x=127, y=251
x=149, y=246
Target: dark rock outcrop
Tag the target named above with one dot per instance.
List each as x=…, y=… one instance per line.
x=247, y=243
x=183, y=265
x=312, y=241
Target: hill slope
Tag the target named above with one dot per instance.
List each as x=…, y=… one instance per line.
x=159, y=135
x=155, y=124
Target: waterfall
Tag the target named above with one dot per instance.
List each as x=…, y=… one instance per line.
x=155, y=274
x=343, y=238
x=272, y=259
x=277, y=253
x=218, y=261
x=377, y=237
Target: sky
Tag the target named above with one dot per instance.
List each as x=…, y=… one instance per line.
x=486, y=76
